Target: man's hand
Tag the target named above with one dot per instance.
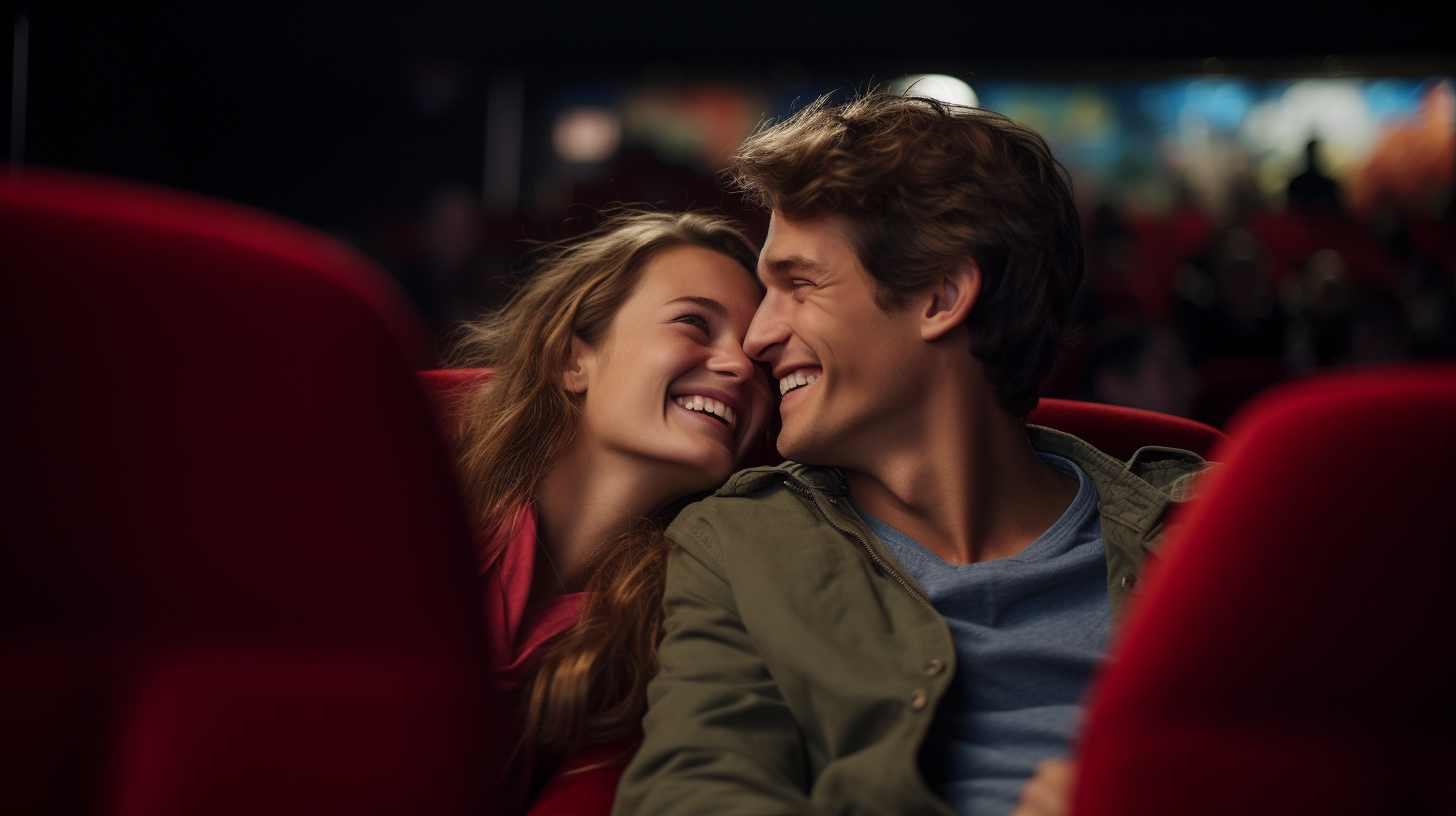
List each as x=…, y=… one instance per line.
x=1049, y=792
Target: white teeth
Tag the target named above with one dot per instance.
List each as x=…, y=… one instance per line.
x=708, y=405
x=794, y=380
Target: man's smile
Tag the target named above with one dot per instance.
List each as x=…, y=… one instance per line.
x=798, y=379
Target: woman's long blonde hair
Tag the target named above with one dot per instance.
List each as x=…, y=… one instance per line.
x=591, y=684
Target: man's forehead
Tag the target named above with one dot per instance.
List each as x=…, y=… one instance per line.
x=804, y=244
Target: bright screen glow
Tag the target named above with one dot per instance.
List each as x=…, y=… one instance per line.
x=935, y=86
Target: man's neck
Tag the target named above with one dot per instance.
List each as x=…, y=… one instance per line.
x=969, y=487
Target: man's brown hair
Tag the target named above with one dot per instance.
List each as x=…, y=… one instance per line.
x=919, y=183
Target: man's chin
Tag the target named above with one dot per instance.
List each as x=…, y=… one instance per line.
x=804, y=451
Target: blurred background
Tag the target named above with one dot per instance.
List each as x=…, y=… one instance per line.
x=1266, y=191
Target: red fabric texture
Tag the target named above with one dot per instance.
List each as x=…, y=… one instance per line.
x=236, y=574
x=1292, y=650
x=586, y=784
x=449, y=389
x=517, y=631
x=1119, y=432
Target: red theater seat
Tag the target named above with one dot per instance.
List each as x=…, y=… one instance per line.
x=236, y=576
x=1119, y=432
x=1295, y=649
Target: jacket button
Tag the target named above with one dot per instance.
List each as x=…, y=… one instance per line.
x=919, y=699
x=1129, y=581
x=934, y=666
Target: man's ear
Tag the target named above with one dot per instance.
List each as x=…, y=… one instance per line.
x=950, y=299
x=577, y=367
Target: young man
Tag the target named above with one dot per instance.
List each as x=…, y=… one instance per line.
x=904, y=617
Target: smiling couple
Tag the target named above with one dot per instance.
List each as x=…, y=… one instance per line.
x=903, y=617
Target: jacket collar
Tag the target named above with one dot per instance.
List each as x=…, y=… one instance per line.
x=1124, y=493
x=1134, y=494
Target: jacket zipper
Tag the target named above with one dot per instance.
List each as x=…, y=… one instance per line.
x=870, y=551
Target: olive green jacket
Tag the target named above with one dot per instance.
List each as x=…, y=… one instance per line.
x=801, y=666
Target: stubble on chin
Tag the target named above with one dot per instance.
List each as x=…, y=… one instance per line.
x=799, y=448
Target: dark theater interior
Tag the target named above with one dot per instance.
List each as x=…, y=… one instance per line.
x=238, y=244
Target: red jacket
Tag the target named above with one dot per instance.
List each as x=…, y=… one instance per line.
x=518, y=633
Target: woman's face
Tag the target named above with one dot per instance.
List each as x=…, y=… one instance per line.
x=669, y=388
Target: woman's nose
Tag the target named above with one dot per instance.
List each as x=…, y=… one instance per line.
x=731, y=359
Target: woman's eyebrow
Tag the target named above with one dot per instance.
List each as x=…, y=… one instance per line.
x=712, y=306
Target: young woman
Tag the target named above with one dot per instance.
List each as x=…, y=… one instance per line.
x=620, y=387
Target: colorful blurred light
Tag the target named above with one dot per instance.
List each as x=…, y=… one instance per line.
x=586, y=135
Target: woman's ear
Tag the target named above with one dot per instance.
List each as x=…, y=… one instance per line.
x=951, y=298
x=576, y=369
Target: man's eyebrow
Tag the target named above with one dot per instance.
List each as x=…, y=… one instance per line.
x=793, y=263
x=713, y=306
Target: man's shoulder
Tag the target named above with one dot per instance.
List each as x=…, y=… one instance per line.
x=1174, y=471
x=1138, y=490
x=1159, y=467
x=1133, y=497
x=789, y=475
x=760, y=504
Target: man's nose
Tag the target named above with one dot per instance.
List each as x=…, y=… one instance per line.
x=767, y=331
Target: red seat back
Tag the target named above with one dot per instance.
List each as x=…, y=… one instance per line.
x=1295, y=649
x=236, y=576
x=1119, y=432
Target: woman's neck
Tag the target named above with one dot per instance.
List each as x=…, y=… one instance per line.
x=584, y=500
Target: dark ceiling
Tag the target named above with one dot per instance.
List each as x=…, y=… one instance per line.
x=308, y=111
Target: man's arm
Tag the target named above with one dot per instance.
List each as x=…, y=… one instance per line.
x=719, y=737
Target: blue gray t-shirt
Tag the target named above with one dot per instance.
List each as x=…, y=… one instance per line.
x=1029, y=632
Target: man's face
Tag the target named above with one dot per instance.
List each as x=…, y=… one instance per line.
x=846, y=369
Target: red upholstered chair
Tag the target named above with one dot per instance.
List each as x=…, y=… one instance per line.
x=1295, y=649
x=449, y=388
x=235, y=574
x=1119, y=431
